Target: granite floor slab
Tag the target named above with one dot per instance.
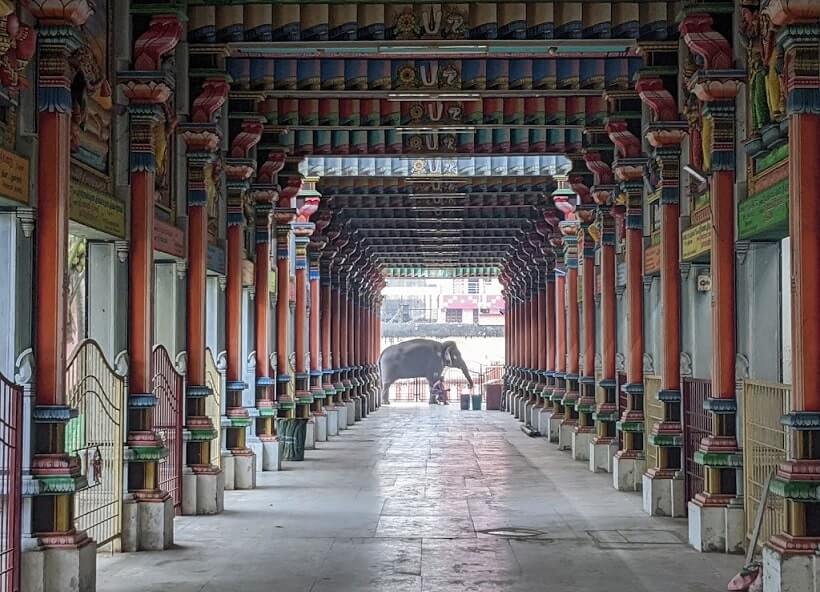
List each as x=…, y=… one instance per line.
x=424, y=498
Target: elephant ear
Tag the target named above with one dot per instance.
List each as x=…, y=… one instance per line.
x=447, y=352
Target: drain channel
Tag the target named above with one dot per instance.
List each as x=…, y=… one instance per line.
x=513, y=532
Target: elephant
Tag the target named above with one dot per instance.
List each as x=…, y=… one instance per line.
x=419, y=358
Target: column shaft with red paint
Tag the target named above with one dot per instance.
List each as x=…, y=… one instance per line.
x=263, y=199
x=285, y=294
x=606, y=411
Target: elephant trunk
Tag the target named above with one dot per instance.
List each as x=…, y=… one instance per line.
x=466, y=372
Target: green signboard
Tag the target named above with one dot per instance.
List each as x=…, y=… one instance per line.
x=765, y=215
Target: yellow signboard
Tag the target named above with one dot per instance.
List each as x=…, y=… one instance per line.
x=97, y=210
x=13, y=177
x=652, y=260
x=697, y=241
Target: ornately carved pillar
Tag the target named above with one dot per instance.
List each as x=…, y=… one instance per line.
x=605, y=442
x=789, y=558
x=148, y=522
x=284, y=213
x=237, y=173
x=58, y=474
x=718, y=508
x=202, y=139
x=664, y=132
x=264, y=196
x=585, y=405
x=629, y=463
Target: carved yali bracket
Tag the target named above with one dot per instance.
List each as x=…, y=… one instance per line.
x=24, y=367
x=648, y=363
x=685, y=364
x=121, y=363
x=620, y=362
x=181, y=362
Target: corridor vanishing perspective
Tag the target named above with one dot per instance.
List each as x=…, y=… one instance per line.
x=420, y=498
x=205, y=203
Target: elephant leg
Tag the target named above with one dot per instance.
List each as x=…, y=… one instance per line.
x=386, y=393
x=430, y=383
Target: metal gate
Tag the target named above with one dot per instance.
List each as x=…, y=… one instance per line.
x=417, y=390
x=11, y=470
x=168, y=388
x=697, y=424
x=96, y=436
x=652, y=413
x=213, y=405
x=623, y=400
x=765, y=445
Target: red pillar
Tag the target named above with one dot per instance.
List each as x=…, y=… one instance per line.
x=607, y=409
x=284, y=380
x=327, y=355
x=303, y=396
x=315, y=324
x=265, y=386
x=53, y=515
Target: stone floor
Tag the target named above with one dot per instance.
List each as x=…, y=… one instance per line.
x=432, y=499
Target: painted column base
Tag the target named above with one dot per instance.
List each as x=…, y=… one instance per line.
x=351, y=412
x=228, y=470
x=555, y=428
x=60, y=569
x=663, y=497
x=565, y=433
x=516, y=407
x=601, y=456
x=522, y=409
x=790, y=573
x=321, y=426
x=203, y=494
x=272, y=455
x=581, y=442
x=357, y=409
x=310, y=435
x=627, y=473
x=147, y=525
x=244, y=471
x=373, y=402
x=543, y=422
x=332, y=421
x=717, y=529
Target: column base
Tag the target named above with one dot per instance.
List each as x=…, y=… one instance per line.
x=789, y=573
x=310, y=435
x=321, y=426
x=663, y=496
x=717, y=529
x=60, y=569
x=272, y=455
x=555, y=428
x=565, y=433
x=627, y=473
x=527, y=419
x=245, y=471
x=332, y=421
x=516, y=406
x=543, y=421
x=255, y=445
x=147, y=525
x=228, y=470
x=342, y=407
x=581, y=441
x=601, y=456
x=357, y=409
x=351, y=412
x=203, y=493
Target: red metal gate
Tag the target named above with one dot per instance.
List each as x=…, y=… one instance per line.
x=11, y=474
x=697, y=424
x=168, y=419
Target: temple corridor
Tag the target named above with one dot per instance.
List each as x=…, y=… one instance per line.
x=407, y=500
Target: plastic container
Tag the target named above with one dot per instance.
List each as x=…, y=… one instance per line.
x=492, y=390
x=465, y=402
x=476, y=402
